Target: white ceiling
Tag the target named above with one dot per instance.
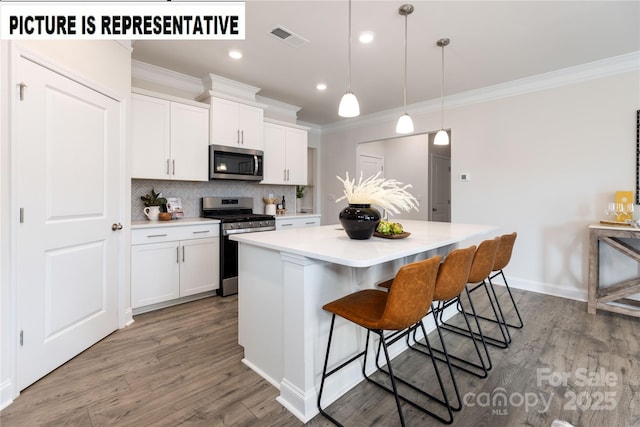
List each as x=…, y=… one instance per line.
x=491, y=42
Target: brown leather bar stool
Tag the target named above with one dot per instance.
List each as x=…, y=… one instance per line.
x=403, y=307
x=503, y=257
x=481, y=267
x=451, y=282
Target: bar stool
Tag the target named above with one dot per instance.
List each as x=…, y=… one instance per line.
x=451, y=281
x=403, y=307
x=503, y=257
x=481, y=267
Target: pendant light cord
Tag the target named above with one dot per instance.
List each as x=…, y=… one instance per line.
x=405, y=63
x=349, y=46
x=442, y=92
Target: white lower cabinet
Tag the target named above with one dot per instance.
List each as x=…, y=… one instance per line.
x=183, y=262
x=297, y=222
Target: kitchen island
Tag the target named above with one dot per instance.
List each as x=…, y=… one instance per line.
x=285, y=277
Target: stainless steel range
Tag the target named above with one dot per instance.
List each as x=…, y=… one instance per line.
x=236, y=216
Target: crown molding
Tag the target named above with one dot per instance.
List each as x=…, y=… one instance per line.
x=567, y=76
x=162, y=76
x=279, y=110
x=231, y=87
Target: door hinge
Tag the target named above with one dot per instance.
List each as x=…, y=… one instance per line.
x=21, y=338
x=21, y=215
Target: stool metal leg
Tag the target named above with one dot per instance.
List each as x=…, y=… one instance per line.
x=481, y=368
x=520, y=323
x=443, y=401
x=497, y=312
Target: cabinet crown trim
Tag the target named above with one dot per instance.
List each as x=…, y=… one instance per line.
x=166, y=97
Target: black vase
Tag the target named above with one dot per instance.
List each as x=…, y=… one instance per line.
x=359, y=220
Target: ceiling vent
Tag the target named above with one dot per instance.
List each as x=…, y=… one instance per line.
x=289, y=37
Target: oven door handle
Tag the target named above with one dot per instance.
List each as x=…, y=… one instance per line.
x=248, y=230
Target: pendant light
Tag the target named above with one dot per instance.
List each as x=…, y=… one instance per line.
x=405, y=124
x=349, y=106
x=442, y=137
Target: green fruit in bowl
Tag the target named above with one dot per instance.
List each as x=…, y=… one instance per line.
x=396, y=228
x=389, y=228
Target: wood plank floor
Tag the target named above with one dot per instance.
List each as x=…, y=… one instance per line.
x=181, y=367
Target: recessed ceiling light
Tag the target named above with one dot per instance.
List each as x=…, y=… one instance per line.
x=235, y=54
x=366, y=37
x=321, y=86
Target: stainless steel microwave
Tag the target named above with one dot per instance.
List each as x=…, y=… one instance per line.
x=235, y=163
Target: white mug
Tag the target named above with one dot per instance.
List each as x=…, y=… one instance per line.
x=152, y=212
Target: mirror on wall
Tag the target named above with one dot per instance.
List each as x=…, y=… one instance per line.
x=412, y=160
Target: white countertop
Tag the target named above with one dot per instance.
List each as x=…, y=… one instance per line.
x=297, y=215
x=172, y=223
x=330, y=242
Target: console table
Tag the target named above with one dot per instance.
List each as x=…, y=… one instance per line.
x=612, y=298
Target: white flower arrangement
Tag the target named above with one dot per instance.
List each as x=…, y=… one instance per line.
x=389, y=194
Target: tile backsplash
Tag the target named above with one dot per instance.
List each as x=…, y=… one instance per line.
x=191, y=194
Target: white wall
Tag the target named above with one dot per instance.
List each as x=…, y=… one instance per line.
x=407, y=161
x=106, y=64
x=542, y=163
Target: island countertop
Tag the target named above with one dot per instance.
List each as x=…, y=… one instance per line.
x=330, y=243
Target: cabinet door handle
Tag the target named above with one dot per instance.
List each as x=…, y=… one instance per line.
x=177, y=254
x=284, y=174
x=242, y=135
x=168, y=166
x=174, y=166
x=238, y=137
x=156, y=235
x=287, y=174
x=183, y=251
x=287, y=225
x=310, y=223
x=203, y=231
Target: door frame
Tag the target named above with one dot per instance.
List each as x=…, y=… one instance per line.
x=8, y=293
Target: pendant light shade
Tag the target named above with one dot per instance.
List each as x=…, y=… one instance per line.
x=349, y=106
x=405, y=124
x=442, y=137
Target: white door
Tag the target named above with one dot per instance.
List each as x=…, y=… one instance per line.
x=370, y=165
x=440, y=183
x=250, y=121
x=155, y=273
x=150, y=137
x=67, y=141
x=296, y=156
x=199, y=269
x=225, y=122
x=189, y=142
x=274, y=154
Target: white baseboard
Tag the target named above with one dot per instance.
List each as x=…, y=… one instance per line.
x=546, y=288
x=6, y=397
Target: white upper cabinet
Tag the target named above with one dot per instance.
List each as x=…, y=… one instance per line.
x=236, y=124
x=169, y=139
x=285, y=155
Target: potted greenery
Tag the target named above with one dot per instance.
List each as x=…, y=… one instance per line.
x=154, y=203
x=300, y=189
